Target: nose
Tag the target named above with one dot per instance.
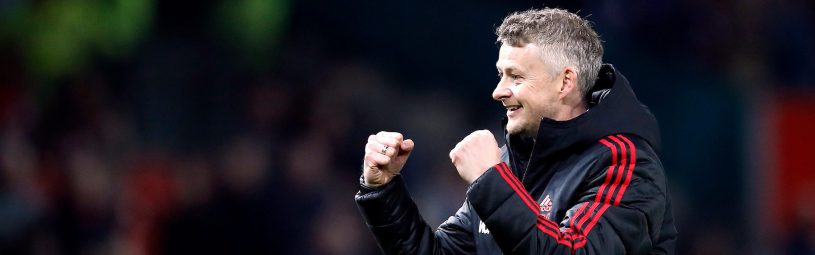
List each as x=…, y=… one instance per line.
x=501, y=92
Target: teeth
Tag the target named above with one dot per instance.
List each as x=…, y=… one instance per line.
x=512, y=108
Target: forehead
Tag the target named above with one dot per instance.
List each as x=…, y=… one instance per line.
x=519, y=57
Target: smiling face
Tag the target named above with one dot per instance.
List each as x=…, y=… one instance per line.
x=530, y=90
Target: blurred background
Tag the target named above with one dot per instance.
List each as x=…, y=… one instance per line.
x=237, y=127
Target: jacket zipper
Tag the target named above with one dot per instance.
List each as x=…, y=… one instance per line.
x=515, y=161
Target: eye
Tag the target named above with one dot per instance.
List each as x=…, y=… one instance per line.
x=516, y=78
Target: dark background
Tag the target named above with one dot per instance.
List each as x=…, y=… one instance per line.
x=238, y=127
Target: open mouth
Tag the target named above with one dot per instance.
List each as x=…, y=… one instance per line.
x=512, y=108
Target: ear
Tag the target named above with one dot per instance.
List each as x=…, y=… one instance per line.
x=569, y=82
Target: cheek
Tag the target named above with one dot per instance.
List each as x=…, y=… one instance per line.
x=537, y=107
x=516, y=90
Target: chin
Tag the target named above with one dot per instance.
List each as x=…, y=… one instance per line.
x=518, y=128
x=514, y=128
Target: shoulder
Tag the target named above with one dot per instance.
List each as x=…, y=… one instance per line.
x=623, y=147
x=631, y=154
x=627, y=151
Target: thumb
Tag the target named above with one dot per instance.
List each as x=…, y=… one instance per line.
x=407, y=147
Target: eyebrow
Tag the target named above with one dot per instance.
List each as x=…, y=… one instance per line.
x=509, y=69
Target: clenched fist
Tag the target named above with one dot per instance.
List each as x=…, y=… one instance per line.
x=385, y=155
x=475, y=155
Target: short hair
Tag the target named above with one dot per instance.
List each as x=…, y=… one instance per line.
x=565, y=38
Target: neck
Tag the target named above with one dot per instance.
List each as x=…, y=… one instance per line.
x=564, y=115
x=570, y=112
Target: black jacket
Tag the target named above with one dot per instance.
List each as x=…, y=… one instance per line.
x=590, y=185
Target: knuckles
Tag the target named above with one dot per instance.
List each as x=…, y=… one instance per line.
x=476, y=137
x=389, y=136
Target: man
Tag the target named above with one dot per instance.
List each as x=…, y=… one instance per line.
x=578, y=174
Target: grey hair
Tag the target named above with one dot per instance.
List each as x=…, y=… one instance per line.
x=565, y=39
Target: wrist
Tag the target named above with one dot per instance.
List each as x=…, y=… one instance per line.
x=375, y=185
x=365, y=188
x=477, y=173
x=365, y=184
x=376, y=178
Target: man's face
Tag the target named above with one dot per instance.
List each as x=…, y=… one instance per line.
x=526, y=89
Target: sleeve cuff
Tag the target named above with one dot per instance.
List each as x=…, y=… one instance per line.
x=385, y=204
x=497, y=199
x=365, y=189
x=487, y=192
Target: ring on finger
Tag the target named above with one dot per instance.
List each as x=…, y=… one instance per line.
x=384, y=150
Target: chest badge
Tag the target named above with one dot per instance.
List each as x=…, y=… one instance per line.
x=546, y=204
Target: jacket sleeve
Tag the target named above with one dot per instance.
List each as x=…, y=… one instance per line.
x=394, y=220
x=619, y=208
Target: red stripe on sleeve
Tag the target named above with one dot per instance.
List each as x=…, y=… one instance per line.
x=631, y=164
x=623, y=187
x=502, y=170
x=596, y=218
x=542, y=223
x=521, y=188
x=577, y=214
x=608, y=193
x=610, y=173
x=619, y=173
x=553, y=226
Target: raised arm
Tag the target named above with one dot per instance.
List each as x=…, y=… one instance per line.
x=390, y=213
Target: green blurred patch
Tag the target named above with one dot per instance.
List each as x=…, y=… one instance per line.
x=253, y=26
x=60, y=37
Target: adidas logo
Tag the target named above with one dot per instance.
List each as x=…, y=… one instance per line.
x=546, y=204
